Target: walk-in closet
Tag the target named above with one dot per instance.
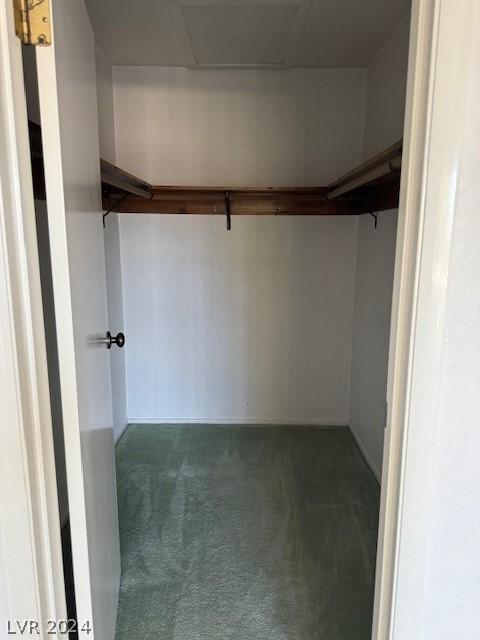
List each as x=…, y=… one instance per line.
x=217, y=190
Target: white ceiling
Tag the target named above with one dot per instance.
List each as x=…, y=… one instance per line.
x=285, y=33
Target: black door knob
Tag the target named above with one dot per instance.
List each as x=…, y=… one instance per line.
x=119, y=340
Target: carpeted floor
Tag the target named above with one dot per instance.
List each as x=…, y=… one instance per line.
x=245, y=533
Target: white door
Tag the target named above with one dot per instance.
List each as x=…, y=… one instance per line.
x=68, y=112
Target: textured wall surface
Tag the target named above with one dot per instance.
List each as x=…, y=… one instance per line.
x=253, y=324
x=239, y=127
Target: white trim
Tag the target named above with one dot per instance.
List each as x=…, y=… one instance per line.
x=31, y=573
x=437, y=88
x=373, y=468
x=314, y=422
x=445, y=193
x=405, y=287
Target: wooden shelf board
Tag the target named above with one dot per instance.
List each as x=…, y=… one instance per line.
x=120, y=180
x=126, y=193
x=286, y=201
x=385, y=165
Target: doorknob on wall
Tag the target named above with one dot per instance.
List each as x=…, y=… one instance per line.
x=119, y=340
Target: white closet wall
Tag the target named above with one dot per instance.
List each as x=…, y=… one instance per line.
x=371, y=332
x=238, y=127
x=257, y=324
x=386, y=86
x=254, y=325
x=251, y=325
x=106, y=122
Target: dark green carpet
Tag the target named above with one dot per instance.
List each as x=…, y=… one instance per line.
x=245, y=533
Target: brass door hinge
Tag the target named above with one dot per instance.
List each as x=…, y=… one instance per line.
x=33, y=22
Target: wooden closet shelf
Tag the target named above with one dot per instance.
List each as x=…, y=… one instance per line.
x=383, y=168
x=249, y=201
x=115, y=180
x=372, y=186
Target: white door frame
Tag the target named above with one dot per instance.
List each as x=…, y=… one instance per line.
x=436, y=177
x=30, y=541
x=421, y=69
x=31, y=572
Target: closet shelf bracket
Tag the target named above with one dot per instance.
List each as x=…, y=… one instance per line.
x=228, y=211
x=117, y=203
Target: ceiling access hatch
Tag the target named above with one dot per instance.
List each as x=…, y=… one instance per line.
x=240, y=35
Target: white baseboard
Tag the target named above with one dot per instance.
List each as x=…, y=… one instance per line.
x=376, y=472
x=314, y=422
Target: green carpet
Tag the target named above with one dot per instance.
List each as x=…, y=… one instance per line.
x=245, y=533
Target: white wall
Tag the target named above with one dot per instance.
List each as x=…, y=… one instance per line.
x=384, y=117
x=238, y=127
x=371, y=332
x=106, y=126
x=116, y=323
x=386, y=86
x=252, y=325
x=254, y=127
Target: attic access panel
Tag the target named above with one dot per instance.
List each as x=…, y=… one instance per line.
x=240, y=35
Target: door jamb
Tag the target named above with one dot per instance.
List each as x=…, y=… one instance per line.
x=422, y=68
